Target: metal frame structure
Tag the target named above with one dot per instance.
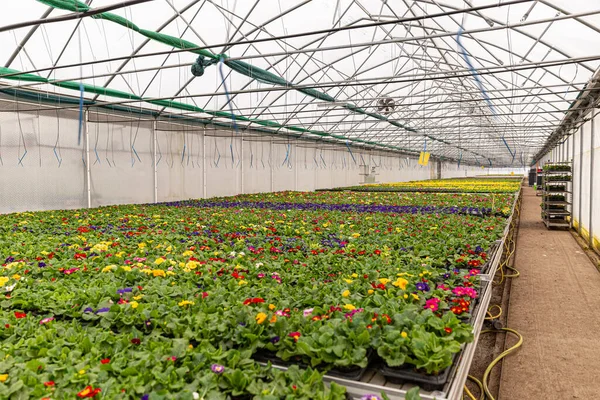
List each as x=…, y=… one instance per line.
x=358, y=52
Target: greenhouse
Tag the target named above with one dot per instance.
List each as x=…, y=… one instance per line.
x=300, y=199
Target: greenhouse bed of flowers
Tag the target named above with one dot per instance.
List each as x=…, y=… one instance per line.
x=182, y=300
x=454, y=185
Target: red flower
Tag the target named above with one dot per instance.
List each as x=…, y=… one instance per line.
x=20, y=314
x=7, y=326
x=386, y=318
x=89, y=392
x=448, y=330
x=49, y=383
x=253, y=300
x=204, y=294
x=79, y=256
x=378, y=252
x=136, y=341
x=105, y=360
x=294, y=335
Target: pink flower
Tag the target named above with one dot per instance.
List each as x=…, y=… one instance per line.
x=443, y=287
x=70, y=271
x=432, y=304
x=465, y=292
x=260, y=276
x=46, y=320
x=307, y=312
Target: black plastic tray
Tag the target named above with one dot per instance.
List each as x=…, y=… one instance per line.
x=352, y=373
x=407, y=374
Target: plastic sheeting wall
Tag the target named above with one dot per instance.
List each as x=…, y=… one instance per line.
x=43, y=167
x=583, y=148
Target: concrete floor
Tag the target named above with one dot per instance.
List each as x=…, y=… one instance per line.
x=555, y=305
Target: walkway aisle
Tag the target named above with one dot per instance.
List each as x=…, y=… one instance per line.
x=555, y=305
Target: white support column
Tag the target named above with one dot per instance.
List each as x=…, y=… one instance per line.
x=88, y=166
x=242, y=163
x=271, y=164
x=204, y=162
x=580, y=230
x=295, y=165
x=591, y=211
x=155, y=160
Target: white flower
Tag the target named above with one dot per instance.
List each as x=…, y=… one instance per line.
x=232, y=254
x=258, y=265
x=195, y=395
x=241, y=254
x=10, y=288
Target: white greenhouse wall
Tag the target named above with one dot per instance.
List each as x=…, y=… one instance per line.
x=583, y=148
x=143, y=162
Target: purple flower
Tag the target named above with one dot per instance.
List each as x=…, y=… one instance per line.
x=446, y=275
x=125, y=290
x=370, y=397
x=103, y=310
x=217, y=369
x=422, y=286
x=89, y=309
x=9, y=259
x=41, y=264
x=148, y=323
x=274, y=339
x=145, y=397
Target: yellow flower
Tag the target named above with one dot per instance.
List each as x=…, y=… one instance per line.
x=3, y=280
x=242, y=282
x=415, y=296
x=138, y=297
x=134, y=304
x=401, y=283
x=349, y=307
x=404, y=334
x=346, y=293
x=16, y=277
x=171, y=273
x=3, y=377
x=385, y=281
x=348, y=280
x=158, y=272
x=271, y=307
x=81, y=371
x=184, y=303
x=141, y=245
x=406, y=296
x=192, y=264
x=273, y=319
x=370, y=291
x=170, y=249
x=126, y=268
x=159, y=261
x=356, y=235
x=191, y=346
x=355, y=275
x=260, y=318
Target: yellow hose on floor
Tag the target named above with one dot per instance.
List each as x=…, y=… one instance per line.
x=479, y=384
x=489, y=312
x=500, y=357
x=483, y=385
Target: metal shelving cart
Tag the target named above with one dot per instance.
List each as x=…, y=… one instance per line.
x=557, y=194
